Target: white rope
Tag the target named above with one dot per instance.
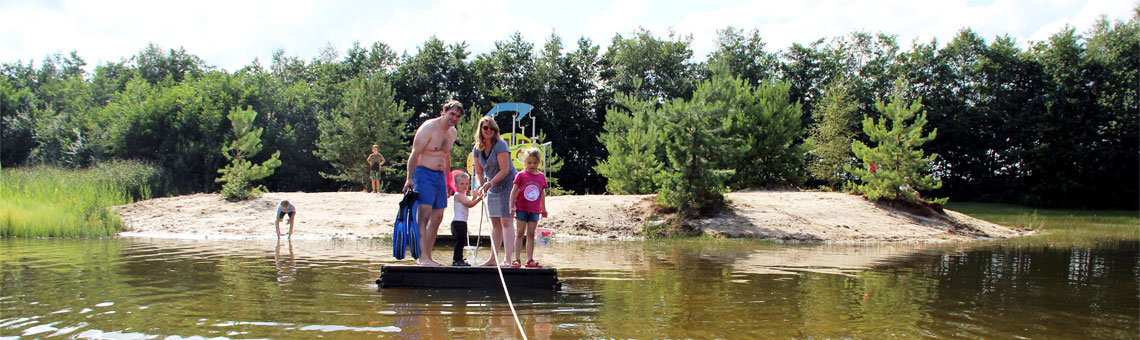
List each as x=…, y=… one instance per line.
x=494, y=256
x=509, y=303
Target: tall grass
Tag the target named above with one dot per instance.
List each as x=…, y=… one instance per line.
x=1059, y=226
x=49, y=201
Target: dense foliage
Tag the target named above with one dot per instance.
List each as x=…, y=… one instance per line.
x=1049, y=122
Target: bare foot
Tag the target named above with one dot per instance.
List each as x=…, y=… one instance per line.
x=489, y=263
x=429, y=263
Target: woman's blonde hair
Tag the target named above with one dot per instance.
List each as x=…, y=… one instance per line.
x=533, y=152
x=479, y=137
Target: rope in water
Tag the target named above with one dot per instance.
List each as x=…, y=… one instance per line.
x=494, y=255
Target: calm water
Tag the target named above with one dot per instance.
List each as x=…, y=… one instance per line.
x=171, y=289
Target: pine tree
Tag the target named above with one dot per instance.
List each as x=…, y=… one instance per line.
x=370, y=114
x=832, y=135
x=689, y=182
x=896, y=168
x=238, y=175
x=758, y=127
x=631, y=138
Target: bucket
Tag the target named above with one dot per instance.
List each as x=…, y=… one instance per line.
x=545, y=236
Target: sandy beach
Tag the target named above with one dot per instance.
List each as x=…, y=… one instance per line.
x=781, y=215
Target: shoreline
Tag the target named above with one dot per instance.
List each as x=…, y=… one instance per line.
x=796, y=216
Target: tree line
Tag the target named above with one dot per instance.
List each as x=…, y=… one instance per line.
x=1050, y=124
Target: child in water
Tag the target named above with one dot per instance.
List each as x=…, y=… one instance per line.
x=459, y=223
x=285, y=208
x=528, y=201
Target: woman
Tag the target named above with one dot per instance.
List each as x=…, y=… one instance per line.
x=494, y=175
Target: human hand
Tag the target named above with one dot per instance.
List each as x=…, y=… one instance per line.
x=408, y=186
x=543, y=212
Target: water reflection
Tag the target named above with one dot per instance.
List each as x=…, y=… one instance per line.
x=286, y=267
x=836, y=259
x=143, y=288
x=445, y=313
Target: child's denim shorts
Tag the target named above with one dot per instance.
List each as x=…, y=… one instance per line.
x=526, y=216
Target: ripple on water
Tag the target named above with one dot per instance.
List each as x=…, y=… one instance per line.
x=334, y=328
x=37, y=329
x=705, y=289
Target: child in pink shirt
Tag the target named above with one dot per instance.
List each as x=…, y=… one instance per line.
x=528, y=201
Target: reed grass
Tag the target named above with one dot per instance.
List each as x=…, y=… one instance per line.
x=1059, y=226
x=53, y=202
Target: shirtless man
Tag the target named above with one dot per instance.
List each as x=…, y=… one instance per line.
x=429, y=161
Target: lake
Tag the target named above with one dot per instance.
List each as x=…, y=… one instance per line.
x=136, y=288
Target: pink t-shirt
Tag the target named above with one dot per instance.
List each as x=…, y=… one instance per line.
x=530, y=191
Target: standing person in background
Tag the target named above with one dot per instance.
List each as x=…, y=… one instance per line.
x=493, y=173
x=375, y=160
x=428, y=164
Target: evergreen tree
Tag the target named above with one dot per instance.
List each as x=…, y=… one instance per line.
x=774, y=154
x=238, y=175
x=831, y=137
x=370, y=114
x=688, y=181
x=631, y=137
x=896, y=167
x=759, y=127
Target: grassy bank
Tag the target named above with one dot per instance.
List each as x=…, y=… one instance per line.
x=49, y=201
x=1059, y=225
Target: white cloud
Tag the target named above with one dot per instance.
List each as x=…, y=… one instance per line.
x=783, y=23
x=479, y=24
x=230, y=34
x=622, y=18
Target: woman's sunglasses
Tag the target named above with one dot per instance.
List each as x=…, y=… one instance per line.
x=487, y=127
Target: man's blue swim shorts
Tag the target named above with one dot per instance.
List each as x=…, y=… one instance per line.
x=431, y=186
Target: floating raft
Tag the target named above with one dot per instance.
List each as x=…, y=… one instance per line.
x=468, y=277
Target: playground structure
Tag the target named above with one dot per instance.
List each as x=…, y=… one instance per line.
x=517, y=140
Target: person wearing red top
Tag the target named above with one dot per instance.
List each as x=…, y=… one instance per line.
x=528, y=201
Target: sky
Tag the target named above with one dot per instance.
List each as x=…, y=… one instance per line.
x=230, y=34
